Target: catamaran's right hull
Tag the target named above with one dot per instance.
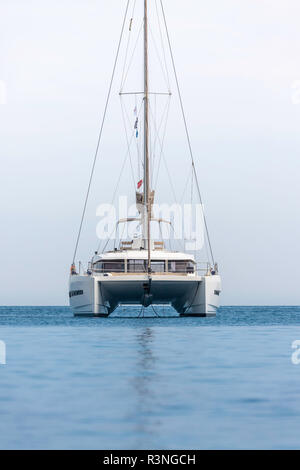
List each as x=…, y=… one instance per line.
x=188, y=295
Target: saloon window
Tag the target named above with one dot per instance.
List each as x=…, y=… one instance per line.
x=158, y=266
x=113, y=266
x=181, y=267
x=140, y=266
x=136, y=266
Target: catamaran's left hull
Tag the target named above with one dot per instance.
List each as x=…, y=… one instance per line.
x=188, y=295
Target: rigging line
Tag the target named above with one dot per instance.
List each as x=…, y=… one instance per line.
x=164, y=115
x=207, y=254
x=154, y=143
x=162, y=43
x=159, y=58
x=116, y=228
x=180, y=240
x=117, y=233
x=128, y=43
x=153, y=140
x=128, y=144
x=121, y=237
x=186, y=127
x=160, y=230
x=190, y=177
x=150, y=151
x=133, y=52
x=161, y=143
x=124, y=111
x=170, y=239
x=100, y=133
x=169, y=176
x=108, y=240
x=186, y=185
x=120, y=175
x=192, y=188
x=137, y=146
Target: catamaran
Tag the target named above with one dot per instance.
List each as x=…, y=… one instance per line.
x=142, y=270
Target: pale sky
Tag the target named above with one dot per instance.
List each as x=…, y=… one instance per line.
x=238, y=63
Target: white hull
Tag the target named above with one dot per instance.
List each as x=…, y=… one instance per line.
x=142, y=271
x=98, y=295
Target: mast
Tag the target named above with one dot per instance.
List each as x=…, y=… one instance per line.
x=147, y=191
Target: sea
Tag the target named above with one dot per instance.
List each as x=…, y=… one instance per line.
x=150, y=380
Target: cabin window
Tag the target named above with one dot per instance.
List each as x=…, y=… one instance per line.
x=140, y=266
x=181, y=267
x=136, y=266
x=110, y=266
x=158, y=266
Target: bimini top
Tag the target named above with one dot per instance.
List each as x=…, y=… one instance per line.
x=143, y=254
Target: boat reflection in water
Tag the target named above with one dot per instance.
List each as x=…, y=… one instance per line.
x=144, y=383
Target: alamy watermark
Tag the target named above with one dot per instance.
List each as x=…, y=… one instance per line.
x=175, y=221
x=2, y=352
x=296, y=354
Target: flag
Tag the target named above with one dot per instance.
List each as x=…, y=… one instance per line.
x=139, y=184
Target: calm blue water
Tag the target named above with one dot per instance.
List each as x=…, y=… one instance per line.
x=126, y=383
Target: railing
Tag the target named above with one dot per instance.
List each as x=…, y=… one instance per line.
x=201, y=268
x=142, y=269
x=205, y=268
x=104, y=271
x=128, y=245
